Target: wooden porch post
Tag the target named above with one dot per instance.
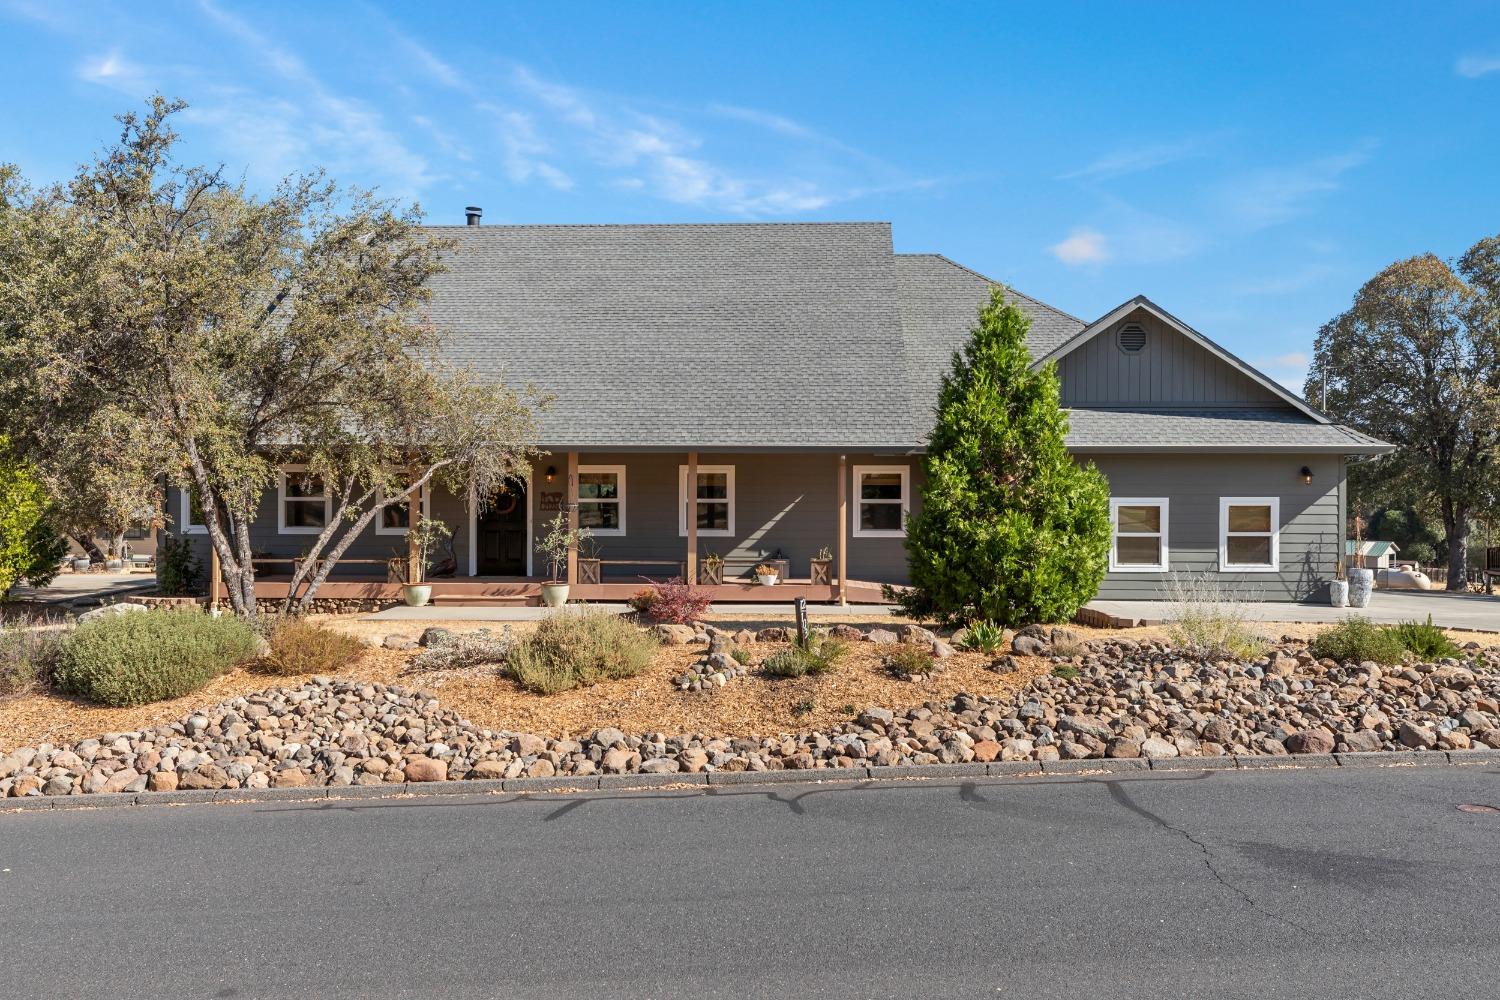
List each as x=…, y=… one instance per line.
x=573, y=515
x=692, y=519
x=843, y=532
x=215, y=577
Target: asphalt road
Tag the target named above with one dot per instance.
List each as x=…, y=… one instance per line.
x=1329, y=883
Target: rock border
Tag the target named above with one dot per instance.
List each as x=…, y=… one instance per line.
x=712, y=779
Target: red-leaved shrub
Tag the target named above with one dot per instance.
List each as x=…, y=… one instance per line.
x=671, y=602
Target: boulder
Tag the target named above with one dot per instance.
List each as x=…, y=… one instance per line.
x=881, y=636
x=1028, y=645
x=1417, y=737
x=425, y=769
x=436, y=635
x=1317, y=740
x=111, y=611
x=673, y=635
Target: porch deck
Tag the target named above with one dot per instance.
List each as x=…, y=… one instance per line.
x=517, y=591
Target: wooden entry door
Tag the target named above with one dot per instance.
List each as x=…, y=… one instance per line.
x=500, y=532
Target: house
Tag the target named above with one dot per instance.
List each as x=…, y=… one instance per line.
x=1377, y=554
x=763, y=391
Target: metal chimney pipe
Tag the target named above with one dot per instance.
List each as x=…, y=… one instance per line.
x=472, y=214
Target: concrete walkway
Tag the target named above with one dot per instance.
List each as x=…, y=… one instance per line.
x=401, y=613
x=86, y=589
x=1466, y=611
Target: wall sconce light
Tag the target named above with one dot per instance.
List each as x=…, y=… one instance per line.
x=552, y=473
x=1307, y=475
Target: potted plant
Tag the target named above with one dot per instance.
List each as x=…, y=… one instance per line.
x=711, y=570
x=766, y=575
x=428, y=534
x=554, y=546
x=822, y=567
x=81, y=564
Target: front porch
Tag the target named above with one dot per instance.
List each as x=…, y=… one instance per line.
x=527, y=591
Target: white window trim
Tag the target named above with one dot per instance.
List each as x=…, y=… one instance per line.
x=860, y=471
x=683, y=498
x=281, y=498
x=1165, y=551
x=1275, y=504
x=619, y=473
x=189, y=527
x=381, y=529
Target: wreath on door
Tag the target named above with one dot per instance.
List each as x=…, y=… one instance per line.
x=497, y=508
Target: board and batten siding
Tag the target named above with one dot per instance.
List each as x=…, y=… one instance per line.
x=1309, y=515
x=786, y=501
x=1171, y=371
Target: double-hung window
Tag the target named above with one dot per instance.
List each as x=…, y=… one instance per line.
x=881, y=500
x=396, y=519
x=601, y=499
x=1140, y=535
x=711, y=501
x=191, y=521
x=301, y=503
x=1249, y=534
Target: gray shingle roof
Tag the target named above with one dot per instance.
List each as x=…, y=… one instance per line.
x=1211, y=430
x=779, y=335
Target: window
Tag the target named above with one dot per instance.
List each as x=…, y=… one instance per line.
x=191, y=519
x=1140, y=534
x=396, y=519
x=1250, y=534
x=880, y=495
x=137, y=532
x=601, y=499
x=302, y=503
x=712, y=501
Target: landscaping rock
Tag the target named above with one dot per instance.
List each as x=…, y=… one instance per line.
x=401, y=641
x=881, y=636
x=425, y=769
x=1310, y=741
x=1028, y=645
x=111, y=611
x=674, y=635
x=436, y=635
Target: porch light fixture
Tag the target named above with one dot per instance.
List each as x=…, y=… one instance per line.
x=552, y=473
x=1307, y=475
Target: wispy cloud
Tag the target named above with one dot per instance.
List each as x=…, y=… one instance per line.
x=1082, y=246
x=115, y=71
x=1137, y=159
x=1290, y=369
x=1273, y=195
x=1475, y=66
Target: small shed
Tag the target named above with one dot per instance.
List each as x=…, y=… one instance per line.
x=1378, y=555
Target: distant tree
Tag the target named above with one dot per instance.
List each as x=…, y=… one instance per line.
x=1416, y=361
x=1010, y=528
x=241, y=334
x=30, y=546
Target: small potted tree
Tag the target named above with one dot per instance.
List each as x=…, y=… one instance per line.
x=766, y=575
x=711, y=570
x=424, y=538
x=554, y=546
x=822, y=567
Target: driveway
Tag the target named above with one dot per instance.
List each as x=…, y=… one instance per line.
x=86, y=589
x=1463, y=611
x=1334, y=883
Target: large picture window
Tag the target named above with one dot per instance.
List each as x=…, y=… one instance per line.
x=1140, y=534
x=601, y=499
x=881, y=500
x=301, y=503
x=711, y=502
x=1250, y=534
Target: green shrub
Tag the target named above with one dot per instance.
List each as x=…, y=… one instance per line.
x=574, y=649
x=819, y=656
x=741, y=656
x=1357, y=639
x=1426, y=640
x=804, y=707
x=30, y=546
x=300, y=647
x=132, y=659
x=178, y=571
x=1065, y=670
x=28, y=655
x=982, y=637
x=908, y=661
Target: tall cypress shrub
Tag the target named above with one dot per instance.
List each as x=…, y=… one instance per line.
x=1010, y=529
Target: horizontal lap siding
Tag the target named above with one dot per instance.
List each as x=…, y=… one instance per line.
x=1310, y=529
x=782, y=501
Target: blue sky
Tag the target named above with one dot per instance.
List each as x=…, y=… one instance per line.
x=1246, y=166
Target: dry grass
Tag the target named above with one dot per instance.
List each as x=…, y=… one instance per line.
x=751, y=706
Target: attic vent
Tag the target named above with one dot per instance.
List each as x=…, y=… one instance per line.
x=1132, y=338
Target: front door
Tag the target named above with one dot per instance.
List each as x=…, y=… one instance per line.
x=500, y=532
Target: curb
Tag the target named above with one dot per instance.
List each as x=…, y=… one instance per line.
x=713, y=779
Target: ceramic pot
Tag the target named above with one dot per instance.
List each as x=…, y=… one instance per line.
x=1361, y=584
x=417, y=594
x=1338, y=593
x=554, y=595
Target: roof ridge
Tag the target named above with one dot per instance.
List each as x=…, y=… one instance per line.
x=657, y=225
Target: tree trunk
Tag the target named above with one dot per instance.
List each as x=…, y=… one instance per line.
x=89, y=546
x=117, y=545
x=1458, y=549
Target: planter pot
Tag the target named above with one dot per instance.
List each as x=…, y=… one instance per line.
x=822, y=572
x=554, y=595
x=710, y=574
x=114, y=564
x=417, y=594
x=590, y=571
x=1338, y=593
x=1361, y=584
x=81, y=565
x=767, y=581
